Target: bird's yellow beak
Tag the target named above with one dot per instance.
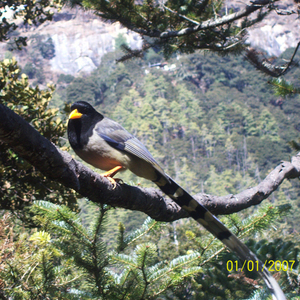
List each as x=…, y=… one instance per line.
x=75, y=114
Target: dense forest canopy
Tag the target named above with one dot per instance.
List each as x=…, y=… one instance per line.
x=213, y=122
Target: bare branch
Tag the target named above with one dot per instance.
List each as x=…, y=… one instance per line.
x=265, y=66
x=59, y=166
x=255, y=195
x=179, y=15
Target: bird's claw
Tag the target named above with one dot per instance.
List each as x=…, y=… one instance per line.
x=114, y=181
x=109, y=174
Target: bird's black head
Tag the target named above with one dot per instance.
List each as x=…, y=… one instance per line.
x=81, y=109
x=82, y=120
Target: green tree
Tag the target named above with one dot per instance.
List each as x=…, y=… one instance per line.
x=29, y=70
x=84, y=89
x=47, y=49
x=120, y=41
x=24, y=183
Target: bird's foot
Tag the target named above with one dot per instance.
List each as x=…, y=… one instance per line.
x=112, y=181
x=109, y=175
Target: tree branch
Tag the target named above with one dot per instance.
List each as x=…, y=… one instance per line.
x=212, y=23
x=255, y=195
x=59, y=166
x=266, y=67
x=246, y=11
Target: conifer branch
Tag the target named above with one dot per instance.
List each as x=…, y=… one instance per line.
x=215, y=254
x=178, y=263
x=121, y=259
x=98, y=225
x=146, y=227
x=246, y=11
x=97, y=270
x=142, y=268
x=69, y=281
x=154, y=32
x=178, y=14
x=79, y=233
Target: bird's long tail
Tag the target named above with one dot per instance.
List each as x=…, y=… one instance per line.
x=214, y=226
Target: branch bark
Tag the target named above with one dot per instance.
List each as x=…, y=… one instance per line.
x=266, y=67
x=59, y=166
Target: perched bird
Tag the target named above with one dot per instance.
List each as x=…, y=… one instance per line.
x=106, y=145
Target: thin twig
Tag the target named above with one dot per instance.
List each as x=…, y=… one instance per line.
x=179, y=15
x=291, y=60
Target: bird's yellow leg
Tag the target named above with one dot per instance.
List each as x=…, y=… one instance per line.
x=111, y=173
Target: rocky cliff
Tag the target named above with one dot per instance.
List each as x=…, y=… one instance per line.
x=278, y=32
x=81, y=39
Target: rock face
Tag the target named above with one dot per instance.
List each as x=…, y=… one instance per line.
x=79, y=44
x=276, y=33
x=81, y=39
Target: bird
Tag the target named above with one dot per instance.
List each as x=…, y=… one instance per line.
x=106, y=145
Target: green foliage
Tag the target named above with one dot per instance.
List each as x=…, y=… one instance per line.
x=29, y=70
x=65, y=78
x=31, y=266
x=282, y=87
x=30, y=12
x=55, y=268
x=150, y=280
x=229, y=182
x=287, y=85
x=20, y=182
x=89, y=254
x=120, y=41
x=148, y=225
x=84, y=89
x=43, y=262
x=47, y=49
x=151, y=20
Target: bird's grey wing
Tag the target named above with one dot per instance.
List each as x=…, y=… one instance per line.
x=119, y=138
x=135, y=147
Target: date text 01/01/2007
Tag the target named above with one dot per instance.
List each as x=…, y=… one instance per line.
x=271, y=265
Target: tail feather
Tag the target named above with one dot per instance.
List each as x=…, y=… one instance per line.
x=214, y=226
